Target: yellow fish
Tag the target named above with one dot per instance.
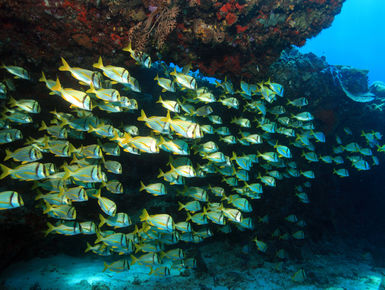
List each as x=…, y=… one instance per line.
x=10, y=199
x=118, y=266
x=77, y=98
x=85, y=76
x=24, y=154
x=30, y=171
x=107, y=95
x=17, y=71
x=107, y=205
x=117, y=74
x=162, y=222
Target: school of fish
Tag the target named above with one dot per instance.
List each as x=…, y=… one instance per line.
x=228, y=148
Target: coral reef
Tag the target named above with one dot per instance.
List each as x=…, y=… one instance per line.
x=234, y=38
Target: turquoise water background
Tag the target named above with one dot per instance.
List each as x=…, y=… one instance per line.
x=356, y=38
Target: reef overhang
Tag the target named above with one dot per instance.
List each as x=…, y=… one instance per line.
x=234, y=38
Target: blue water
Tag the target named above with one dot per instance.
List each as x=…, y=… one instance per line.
x=356, y=38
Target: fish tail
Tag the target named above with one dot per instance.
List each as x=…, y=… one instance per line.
x=50, y=229
x=99, y=237
x=133, y=259
x=168, y=118
x=162, y=255
x=142, y=186
x=39, y=195
x=102, y=220
x=151, y=270
x=43, y=126
x=116, y=136
x=156, y=78
x=162, y=141
x=97, y=194
x=72, y=149
x=234, y=156
x=105, y=266
x=172, y=168
x=88, y=248
x=137, y=248
x=189, y=217
x=8, y=154
x=6, y=171
x=128, y=47
x=160, y=100
x=99, y=64
x=170, y=160
x=143, y=116
x=12, y=102
x=43, y=78
x=181, y=205
x=91, y=89
x=65, y=66
x=57, y=86
x=67, y=172
x=161, y=173
x=144, y=216
x=173, y=73
x=48, y=209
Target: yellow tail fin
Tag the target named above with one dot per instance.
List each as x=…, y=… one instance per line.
x=48, y=208
x=12, y=102
x=39, y=195
x=181, y=205
x=133, y=259
x=143, y=116
x=57, y=86
x=161, y=173
x=8, y=154
x=6, y=171
x=43, y=78
x=173, y=73
x=88, y=248
x=142, y=186
x=65, y=66
x=50, y=229
x=67, y=172
x=144, y=216
x=137, y=248
x=100, y=237
x=92, y=89
x=102, y=220
x=105, y=266
x=128, y=47
x=43, y=126
x=99, y=64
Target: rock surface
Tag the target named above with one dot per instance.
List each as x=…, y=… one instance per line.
x=235, y=38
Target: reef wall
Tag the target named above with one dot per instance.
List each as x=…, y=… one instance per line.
x=234, y=38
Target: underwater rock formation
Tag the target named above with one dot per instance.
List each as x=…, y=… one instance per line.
x=326, y=86
x=378, y=88
x=234, y=38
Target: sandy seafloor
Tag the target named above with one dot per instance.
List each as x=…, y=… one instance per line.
x=335, y=266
